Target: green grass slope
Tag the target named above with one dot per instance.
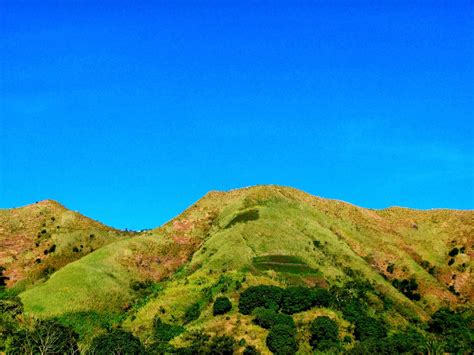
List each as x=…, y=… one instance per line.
x=38, y=239
x=274, y=235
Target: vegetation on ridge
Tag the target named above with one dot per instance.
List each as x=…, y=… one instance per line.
x=270, y=268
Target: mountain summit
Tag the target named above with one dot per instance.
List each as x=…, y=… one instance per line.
x=415, y=262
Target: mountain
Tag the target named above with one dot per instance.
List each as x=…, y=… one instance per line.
x=412, y=264
x=38, y=239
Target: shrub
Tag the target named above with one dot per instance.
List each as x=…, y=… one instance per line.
x=192, y=312
x=391, y=268
x=454, y=328
x=322, y=297
x=267, y=318
x=408, y=288
x=260, y=296
x=222, y=305
x=453, y=252
x=297, y=299
x=369, y=327
x=324, y=333
x=164, y=331
x=282, y=339
x=117, y=341
x=222, y=345
x=251, y=350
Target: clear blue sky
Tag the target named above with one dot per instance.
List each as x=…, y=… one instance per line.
x=131, y=111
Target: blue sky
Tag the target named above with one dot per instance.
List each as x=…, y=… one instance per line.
x=130, y=111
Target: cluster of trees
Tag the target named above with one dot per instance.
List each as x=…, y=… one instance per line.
x=289, y=300
x=271, y=308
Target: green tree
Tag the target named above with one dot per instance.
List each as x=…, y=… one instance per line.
x=282, y=339
x=260, y=296
x=297, y=299
x=164, y=331
x=116, y=342
x=324, y=333
x=222, y=305
x=267, y=318
x=192, y=312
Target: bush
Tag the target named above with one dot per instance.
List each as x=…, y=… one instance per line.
x=260, y=296
x=222, y=345
x=117, y=341
x=222, y=305
x=322, y=297
x=282, y=339
x=165, y=332
x=192, y=313
x=297, y=299
x=408, y=288
x=251, y=350
x=368, y=327
x=454, y=328
x=453, y=252
x=267, y=318
x=324, y=333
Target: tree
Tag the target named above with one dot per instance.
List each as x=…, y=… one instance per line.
x=251, y=350
x=164, y=331
x=267, y=318
x=50, y=337
x=222, y=345
x=222, y=305
x=192, y=312
x=322, y=297
x=116, y=342
x=324, y=333
x=297, y=299
x=282, y=339
x=260, y=296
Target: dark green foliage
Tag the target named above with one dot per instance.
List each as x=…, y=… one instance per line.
x=450, y=262
x=52, y=249
x=192, y=312
x=199, y=342
x=324, y=333
x=3, y=278
x=117, y=342
x=408, y=341
x=75, y=250
x=222, y=305
x=281, y=339
x=316, y=243
x=246, y=216
x=369, y=327
x=365, y=326
x=297, y=299
x=408, y=288
x=251, y=350
x=160, y=348
x=222, y=345
x=267, y=318
x=164, y=331
x=391, y=268
x=260, y=296
x=322, y=297
x=453, y=252
x=454, y=328
x=202, y=343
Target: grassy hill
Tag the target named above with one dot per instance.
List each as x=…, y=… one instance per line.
x=413, y=263
x=38, y=239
